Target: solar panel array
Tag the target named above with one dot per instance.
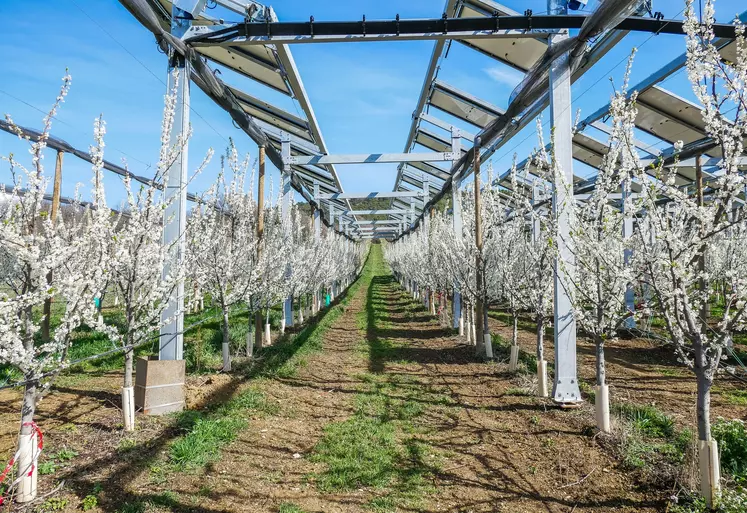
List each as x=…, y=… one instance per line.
x=273, y=67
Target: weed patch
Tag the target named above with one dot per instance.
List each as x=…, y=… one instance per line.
x=732, y=442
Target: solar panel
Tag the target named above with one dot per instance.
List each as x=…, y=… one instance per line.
x=269, y=113
x=670, y=117
x=463, y=105
x=428, y=168
x=520, y=53
x=250, y=63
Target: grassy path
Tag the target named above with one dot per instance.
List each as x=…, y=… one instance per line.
x=394, y=415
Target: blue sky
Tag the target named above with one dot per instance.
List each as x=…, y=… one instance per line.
x=363, y=93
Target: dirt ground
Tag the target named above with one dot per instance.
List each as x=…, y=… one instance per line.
x=642, y=371
x=497, y=451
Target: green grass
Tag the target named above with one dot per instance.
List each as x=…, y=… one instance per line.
x=502, y=351
x=518, y=391
x=207, y=432
x=381, y=446
x=647, y=420
x=731, y=501
x=653, y=445
x=732, y=442
x=738, y=397
x=289, y=507
x=361, y=451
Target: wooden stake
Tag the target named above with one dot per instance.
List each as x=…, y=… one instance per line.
x=53, y=217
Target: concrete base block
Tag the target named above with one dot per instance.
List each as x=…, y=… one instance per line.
x=159, y=385
x=710, y=471
x=602, y=407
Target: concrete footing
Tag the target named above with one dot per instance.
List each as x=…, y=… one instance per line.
x=159, y=385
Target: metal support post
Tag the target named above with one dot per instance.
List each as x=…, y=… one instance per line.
x=565, y=388
x=286, y=215
x=171, y=343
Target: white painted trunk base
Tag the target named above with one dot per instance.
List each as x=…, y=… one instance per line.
x=268, y=335
x=461, y=326
x=250, y=343
x=282, y=326
x=28, y=454
x=602, y=407
x=488, y=345
x=513, y=362
x=226, y=358
x=469, y=332
x=300, y=316
x=128, y=408
x=542, y=379
x=710, y=472
x=473, y=329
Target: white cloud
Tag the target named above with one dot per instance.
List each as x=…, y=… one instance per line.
x=505, y=75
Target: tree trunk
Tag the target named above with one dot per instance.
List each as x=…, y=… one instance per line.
x=27, y=445
x=540, y=337
x=251, y=329
x=513, y=361
x=486, y=333
x=542, y=390
x=128, y=392
x=601, y=370
x=705, y=380
x=602, y=397
x=710, y=472
x=226, y=343
x=258, y=335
